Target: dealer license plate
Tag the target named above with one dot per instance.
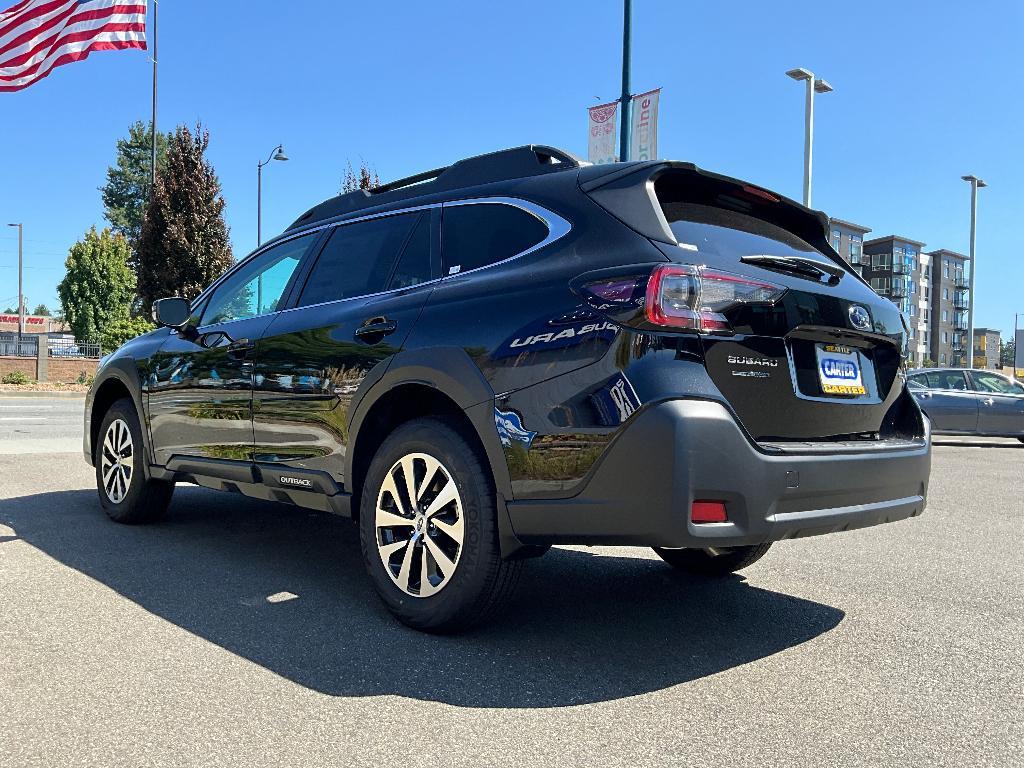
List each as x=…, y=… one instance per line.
x=839, y=370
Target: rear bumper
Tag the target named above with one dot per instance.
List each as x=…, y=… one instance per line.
x=677, y=451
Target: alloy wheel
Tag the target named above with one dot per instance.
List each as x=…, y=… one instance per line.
x=117, y=460
x=419, y=524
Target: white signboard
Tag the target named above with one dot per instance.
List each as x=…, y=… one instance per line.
x=602, y=133
x=644, y=134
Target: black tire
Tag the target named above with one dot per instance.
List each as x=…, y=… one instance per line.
x=1021, y=439
x=706, y=563
x=479, y=580
x=143, y=500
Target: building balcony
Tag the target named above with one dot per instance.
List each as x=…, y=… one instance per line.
x=961, y=301
x=896, y=291
x=960, y=323
x=900, y=268
x=960, y=280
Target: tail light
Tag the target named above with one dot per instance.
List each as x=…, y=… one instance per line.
x=700, y=299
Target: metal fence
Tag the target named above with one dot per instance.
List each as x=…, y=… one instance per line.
x=73, y=348
x=28, y=346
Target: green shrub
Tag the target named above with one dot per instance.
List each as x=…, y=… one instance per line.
x=117, y=332
x=84, y=377
x=15, y=377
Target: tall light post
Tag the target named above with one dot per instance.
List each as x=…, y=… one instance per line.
x=976, y=184
x=814, y=85
x=21, y=295
x=627, y=44
x=276, y=154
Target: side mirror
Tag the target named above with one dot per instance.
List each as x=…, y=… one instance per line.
x=171, y=313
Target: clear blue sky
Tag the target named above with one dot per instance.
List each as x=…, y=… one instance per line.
x=925, y=92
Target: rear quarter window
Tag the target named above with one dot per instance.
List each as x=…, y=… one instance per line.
x=479, y=234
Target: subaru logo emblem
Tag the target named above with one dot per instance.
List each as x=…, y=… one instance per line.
x=859, y=318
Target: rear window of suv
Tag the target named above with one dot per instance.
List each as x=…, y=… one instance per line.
x=478, y=234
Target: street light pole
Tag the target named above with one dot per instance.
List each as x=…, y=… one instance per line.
x=277, y=153
x=627, y=44
x=976, y=184
x=814, y=85
x=21, y=295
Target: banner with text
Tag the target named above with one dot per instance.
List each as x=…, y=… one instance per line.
x=644, y=133
x=602, y=133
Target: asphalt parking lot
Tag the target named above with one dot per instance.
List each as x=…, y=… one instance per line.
x=245, y=633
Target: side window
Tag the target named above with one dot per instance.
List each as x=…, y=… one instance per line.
x=989, y=382
x=479, y=234
x=414, y=263
x=918, y=380
x=357, y=259
x=947, y=380
x=258, y=286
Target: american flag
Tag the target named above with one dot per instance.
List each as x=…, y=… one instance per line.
x=38, y=35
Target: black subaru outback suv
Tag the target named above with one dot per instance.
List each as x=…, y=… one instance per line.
x=523, y=350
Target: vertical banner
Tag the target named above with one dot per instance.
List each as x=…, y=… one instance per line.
x=644, y=136
x=602, y=133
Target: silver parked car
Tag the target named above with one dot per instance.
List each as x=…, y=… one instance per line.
x=969, y=402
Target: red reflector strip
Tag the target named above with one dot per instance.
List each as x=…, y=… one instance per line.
x=708, y=512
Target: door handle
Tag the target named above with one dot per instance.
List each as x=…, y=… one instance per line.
x=988, y=401
x=376, y=327
x=240, y=348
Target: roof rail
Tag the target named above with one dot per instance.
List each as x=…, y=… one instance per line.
x=514, y=163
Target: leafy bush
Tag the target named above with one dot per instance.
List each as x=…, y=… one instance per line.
x=84, y=377
x=117, y=332
x=15, y=377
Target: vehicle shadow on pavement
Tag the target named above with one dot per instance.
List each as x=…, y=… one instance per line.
x=583, y=628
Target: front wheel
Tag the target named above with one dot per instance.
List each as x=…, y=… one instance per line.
x=126, y=495
x=717, y=561
x=429, y=530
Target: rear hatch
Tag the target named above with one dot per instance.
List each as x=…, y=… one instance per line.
x=798, y=344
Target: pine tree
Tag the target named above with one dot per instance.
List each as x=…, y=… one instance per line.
x=184, y=244
x=126, y=192
x=367, y=178
x=99, y=286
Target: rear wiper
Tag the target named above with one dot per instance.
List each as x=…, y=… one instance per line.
x=799, y=265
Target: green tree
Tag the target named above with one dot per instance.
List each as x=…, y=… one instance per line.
x=364, y=178
x=99, y=285
x=41, y=310
x=10, y=311
x=184, y=244
x=126, y=191
x=118, y=332
x=1008, y=351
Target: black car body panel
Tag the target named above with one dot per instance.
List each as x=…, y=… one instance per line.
x=579, y=404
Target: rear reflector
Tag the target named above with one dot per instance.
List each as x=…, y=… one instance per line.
x=708, y=512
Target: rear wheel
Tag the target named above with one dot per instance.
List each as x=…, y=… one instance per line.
x=429, y=531
x=713, y=561
x=125, y=493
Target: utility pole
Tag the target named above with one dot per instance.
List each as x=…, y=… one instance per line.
x=976, y=183
x=814, y=85
x=627, y=41
x=152, y=127
x=21, y=295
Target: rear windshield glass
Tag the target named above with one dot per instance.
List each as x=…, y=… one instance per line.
x=705, y=229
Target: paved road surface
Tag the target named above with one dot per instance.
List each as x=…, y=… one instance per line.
x=244, y=633
x=32, y=424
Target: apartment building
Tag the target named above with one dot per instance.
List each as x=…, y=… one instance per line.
x=896, y=268
x=949, y=304
x=987, y=348
x=848, y=239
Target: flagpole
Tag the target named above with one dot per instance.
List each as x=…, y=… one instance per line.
x=152, y=127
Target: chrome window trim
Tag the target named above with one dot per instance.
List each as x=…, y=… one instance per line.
x=557, y=227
